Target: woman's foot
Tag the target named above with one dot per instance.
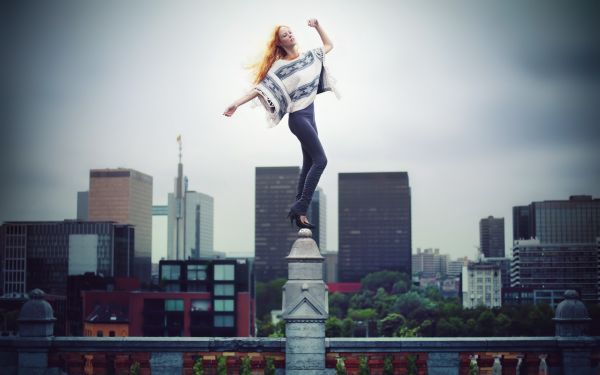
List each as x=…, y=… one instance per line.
x=301, y=220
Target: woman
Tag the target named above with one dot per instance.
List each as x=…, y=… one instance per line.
x=287, y=82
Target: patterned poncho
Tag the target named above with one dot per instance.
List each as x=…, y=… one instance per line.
x=292, y=85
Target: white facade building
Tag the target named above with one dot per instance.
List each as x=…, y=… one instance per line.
x=481, y=285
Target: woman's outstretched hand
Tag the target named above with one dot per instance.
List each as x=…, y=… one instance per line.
x=230, y=110
x=313, y=22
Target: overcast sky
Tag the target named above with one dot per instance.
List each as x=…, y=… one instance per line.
x=486, y=105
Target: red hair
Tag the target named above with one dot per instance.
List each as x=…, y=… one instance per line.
x=272, y=53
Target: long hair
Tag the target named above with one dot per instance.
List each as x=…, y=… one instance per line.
x=272, y=53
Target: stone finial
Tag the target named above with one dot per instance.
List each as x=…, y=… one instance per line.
x=571, y=316
x=36, y=318
x=305, y=248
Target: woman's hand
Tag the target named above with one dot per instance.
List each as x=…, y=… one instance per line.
x=313, y=22
x=230, y=110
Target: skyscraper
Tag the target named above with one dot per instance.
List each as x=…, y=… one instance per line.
x=125, y=196
x=197, y=226
x=82, y=205
x=273, y=236
x=557, y=248
x=190, y=220
x=491, y=237
x=576, y=220
x=552, y=268
x=374, y=224
x=317, y=213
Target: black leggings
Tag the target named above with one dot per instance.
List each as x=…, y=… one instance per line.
x=302, y=124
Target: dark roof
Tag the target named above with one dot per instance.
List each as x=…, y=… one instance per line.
x=107, y=314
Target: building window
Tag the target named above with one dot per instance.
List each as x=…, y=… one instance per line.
x=100, y=334
x=224, y=272
x=111, y=333
x=196, y=272
x=224, y=305
x=200, y=305
x=173, y=305
x=224, y=321
x=170, y=272
x=224, y=290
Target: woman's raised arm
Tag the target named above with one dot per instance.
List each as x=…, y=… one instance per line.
x=327, y=44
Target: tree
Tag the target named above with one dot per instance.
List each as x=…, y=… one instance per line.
x=389, y=325
x=264, y=328
x=502, y=324
x=471, y=327
x=333, y=327
x=362, y=314
x=362, y=300
x=382, y=279
x=412, y=303
x=347, y=327
x=541, y=316
x=485, y=324
x=338, y=304
x=383, y=302
x=401, y=286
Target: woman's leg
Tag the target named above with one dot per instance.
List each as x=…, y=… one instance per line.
x=303, y=127
x=306, y=164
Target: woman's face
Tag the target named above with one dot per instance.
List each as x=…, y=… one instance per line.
x=286, y=37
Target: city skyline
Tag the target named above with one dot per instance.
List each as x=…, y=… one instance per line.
x=486, y=106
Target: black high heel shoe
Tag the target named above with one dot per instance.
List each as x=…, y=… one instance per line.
x=295, y=217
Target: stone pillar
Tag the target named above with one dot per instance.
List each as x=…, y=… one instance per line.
x=305, y=308
x=440, y=363
x=571, y=319
x=36, y=320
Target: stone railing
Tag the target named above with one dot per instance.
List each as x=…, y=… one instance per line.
x=305, y=350
x=169, y=355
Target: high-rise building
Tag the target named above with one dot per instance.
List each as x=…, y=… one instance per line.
x=190, y=220
x=43, y=254
x=82, y=205
x=481, y=285
x=554, y=268
x=374, y=224
x=197, y=228
x=199, y=231
x=273, y=235
x=576, y=220
x=317, y=214
x=330, y=266
x=491, y=237
x=555, y=248
x=125, y=196
x=522, y=224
